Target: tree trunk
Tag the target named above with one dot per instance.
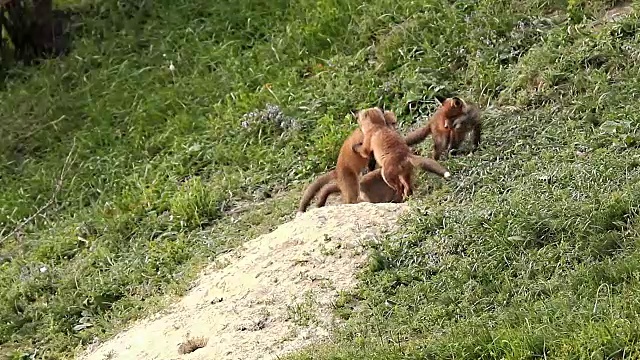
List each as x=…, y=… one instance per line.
x=42, y=27
x=30, y=27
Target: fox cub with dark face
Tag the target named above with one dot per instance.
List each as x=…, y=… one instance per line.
x=468, y=123
x=448, y=126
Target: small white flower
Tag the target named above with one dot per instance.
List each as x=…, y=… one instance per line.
x=43, y=269
x=171, y=67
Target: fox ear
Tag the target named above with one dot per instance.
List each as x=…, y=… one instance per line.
x=457, y=102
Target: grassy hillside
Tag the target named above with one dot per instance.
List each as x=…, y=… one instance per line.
x=177, y=129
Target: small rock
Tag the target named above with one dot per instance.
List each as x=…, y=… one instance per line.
x=253, y=326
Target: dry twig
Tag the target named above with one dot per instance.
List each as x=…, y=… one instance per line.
x=53, y=198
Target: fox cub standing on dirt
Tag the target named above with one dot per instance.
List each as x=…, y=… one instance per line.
x=389, y=149
x=449, y=125
x=346, y=175
x=373, y=188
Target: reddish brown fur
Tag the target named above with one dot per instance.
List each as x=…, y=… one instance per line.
x=468, y=123
x=439, y=126
x=348, y=161
x=348, y=169
x=373, y=188
x=389, y=150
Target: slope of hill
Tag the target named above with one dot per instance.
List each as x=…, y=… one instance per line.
x=176, y=130
x=274, y=296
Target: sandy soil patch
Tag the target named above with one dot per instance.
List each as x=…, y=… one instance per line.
x=274, y=296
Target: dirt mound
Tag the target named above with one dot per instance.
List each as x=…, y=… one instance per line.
x=275, y=296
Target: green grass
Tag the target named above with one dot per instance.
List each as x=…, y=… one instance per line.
x=133, y=176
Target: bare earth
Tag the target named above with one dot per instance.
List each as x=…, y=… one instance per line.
x=274, y=296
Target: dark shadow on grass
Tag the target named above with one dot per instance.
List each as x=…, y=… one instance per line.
x=30, y=45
